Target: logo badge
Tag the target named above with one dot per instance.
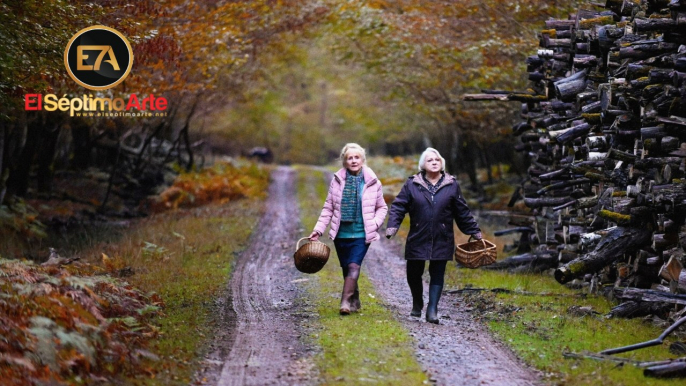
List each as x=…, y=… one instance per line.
x=98, y=57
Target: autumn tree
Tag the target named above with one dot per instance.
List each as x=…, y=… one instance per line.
x=429, y=53
x=193, y=53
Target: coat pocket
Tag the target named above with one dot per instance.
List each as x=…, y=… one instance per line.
x=446, y=231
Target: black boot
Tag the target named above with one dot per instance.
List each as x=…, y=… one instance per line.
x=417, y=301
x=432, y=309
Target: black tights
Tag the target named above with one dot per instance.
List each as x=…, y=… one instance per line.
x=415, y=270
x=351, y=270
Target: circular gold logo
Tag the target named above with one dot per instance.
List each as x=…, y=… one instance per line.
x=98, y=57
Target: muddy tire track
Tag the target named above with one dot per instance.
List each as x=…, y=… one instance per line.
x=261, y=344
x=458, y=351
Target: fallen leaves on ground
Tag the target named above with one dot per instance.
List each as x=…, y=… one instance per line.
x=71, y=324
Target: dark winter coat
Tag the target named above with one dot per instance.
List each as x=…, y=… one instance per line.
x=431, y=234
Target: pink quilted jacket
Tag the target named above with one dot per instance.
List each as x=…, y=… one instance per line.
x=374, y=207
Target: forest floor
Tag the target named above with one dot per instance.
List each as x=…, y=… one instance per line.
x=266, y=315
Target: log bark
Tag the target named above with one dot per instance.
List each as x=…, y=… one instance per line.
x=648, y=295
x=609, y=249
x=545, y=201
x=560, y=25
x=527, y=262
x=654, y=24
x=676, y=369
x=635, y=309
x=567, y=91
x=573, y=133
x=646, y=49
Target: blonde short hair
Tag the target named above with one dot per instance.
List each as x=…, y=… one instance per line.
x=422, y=159
x=353, y=147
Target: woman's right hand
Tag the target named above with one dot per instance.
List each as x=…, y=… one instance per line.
x=314, y=236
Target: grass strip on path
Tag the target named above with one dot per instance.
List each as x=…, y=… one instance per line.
x=185, y=256
x=539, y=328
x=362, y=348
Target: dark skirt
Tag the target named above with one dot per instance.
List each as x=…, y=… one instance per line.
x=351, y=251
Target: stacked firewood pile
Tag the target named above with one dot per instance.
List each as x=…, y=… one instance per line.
x=605, y=131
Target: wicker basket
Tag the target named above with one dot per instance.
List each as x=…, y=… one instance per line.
x=311, y=257
x=475, y=253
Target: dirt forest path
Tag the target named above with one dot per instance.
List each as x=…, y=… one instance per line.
x=458, y=351
x=261, y=344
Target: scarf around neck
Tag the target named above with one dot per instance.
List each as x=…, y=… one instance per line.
x=433, y=188
x=350, y=200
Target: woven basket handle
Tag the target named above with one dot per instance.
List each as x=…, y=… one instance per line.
x=482, y=240
x=297, y=246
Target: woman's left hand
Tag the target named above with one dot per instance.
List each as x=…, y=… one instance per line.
x=477, y=236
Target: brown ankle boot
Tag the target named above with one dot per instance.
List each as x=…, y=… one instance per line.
x=348, y=290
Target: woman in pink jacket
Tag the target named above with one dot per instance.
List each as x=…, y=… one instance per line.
x=355, y=208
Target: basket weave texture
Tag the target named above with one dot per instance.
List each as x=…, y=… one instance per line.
x=311, y=257
x=476, y=253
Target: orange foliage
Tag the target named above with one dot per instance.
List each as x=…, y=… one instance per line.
x=63, y=322
x=220, y=183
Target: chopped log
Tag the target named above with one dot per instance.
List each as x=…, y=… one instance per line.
x=648, y=295
x=646, y=49
x=565, y=256
x=568, y=90
x=545, y=201
x=671, y=370
x=664, y=241
x=634, y=309
x=621, y=155
x=560, y=25
x=563, y=184
x=673, y=271
x=618, y=241
x=538, y=261
x=642, y=24
x=584, y=61
x=598, y=142
x=573, y=133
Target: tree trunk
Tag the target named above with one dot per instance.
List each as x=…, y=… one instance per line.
x=80, y=132
x=46, y=156
x=18, y=182
x=3, y=186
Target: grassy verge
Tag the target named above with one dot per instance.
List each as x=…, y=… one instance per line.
x=369, y=346
x=186, y=257
x=539, y=328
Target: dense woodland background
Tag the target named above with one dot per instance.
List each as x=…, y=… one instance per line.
x=300, y=78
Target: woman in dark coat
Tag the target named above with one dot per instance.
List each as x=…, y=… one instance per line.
x=433, y=199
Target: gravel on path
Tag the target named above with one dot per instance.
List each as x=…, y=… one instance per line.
x=459, y=350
